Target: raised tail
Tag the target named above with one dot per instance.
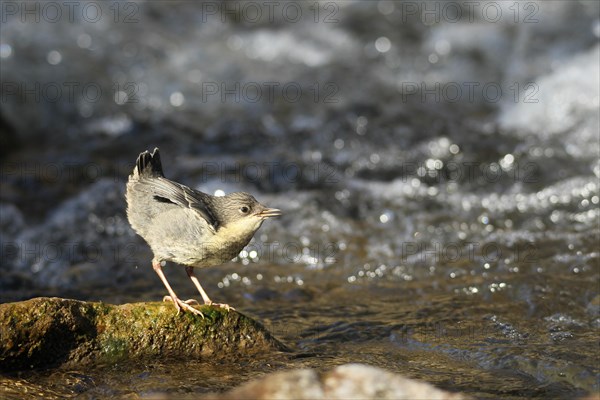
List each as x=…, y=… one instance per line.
x=148, y=165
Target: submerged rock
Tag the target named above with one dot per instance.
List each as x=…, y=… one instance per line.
x=350, y=381
x=46, y=332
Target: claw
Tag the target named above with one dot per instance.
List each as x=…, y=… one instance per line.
x=185, y=305
x=225, y=306
x=169, y=298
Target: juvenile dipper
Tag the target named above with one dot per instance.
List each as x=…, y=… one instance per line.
x=187, y=226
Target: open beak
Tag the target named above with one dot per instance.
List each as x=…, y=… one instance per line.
x=269, y=212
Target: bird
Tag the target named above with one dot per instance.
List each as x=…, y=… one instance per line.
x=187, y=226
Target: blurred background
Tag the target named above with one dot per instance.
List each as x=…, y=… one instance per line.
x=437, y=164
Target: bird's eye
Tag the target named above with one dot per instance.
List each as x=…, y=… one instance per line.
x=244, y=209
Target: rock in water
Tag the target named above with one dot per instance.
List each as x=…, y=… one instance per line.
x=350, y=381
x=47, y=332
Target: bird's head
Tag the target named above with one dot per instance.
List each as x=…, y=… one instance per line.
x=242, y=213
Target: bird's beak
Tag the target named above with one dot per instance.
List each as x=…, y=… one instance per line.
x=269, y=212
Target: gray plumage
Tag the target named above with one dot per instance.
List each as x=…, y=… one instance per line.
x=186, y=226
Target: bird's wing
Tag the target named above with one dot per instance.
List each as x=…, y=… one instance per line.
x=164, y=189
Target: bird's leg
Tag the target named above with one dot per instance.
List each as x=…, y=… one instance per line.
x=207, y=300
x=190, y=273
x=172, y=296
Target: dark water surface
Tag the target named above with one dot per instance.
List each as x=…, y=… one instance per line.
x=431, y=227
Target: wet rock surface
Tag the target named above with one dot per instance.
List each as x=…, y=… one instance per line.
x=350, y=381
x=52, y=332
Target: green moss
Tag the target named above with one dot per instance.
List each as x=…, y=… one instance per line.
x=44, y=332
x=114, y=349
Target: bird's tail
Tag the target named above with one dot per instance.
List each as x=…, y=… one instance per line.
x=148, y=165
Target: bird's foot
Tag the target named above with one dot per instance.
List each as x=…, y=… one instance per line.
x=225, y=306
x=185, y=305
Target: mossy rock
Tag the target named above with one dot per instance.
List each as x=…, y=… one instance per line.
x=47, y=332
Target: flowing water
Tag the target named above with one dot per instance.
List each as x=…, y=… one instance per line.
x=439, y=181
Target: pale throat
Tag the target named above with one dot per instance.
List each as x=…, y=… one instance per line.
x=241, y=230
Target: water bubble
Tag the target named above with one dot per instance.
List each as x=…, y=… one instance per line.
x=385, y=7
x=54, y=57
x=386, y=216
x=442, y=47
x=507, y=161
x=5, y=50
x=176, y=99
x=121, y=97
x=383, y=44
x=84, y=41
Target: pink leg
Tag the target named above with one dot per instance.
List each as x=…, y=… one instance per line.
x=172, y=296
x=207, y=300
